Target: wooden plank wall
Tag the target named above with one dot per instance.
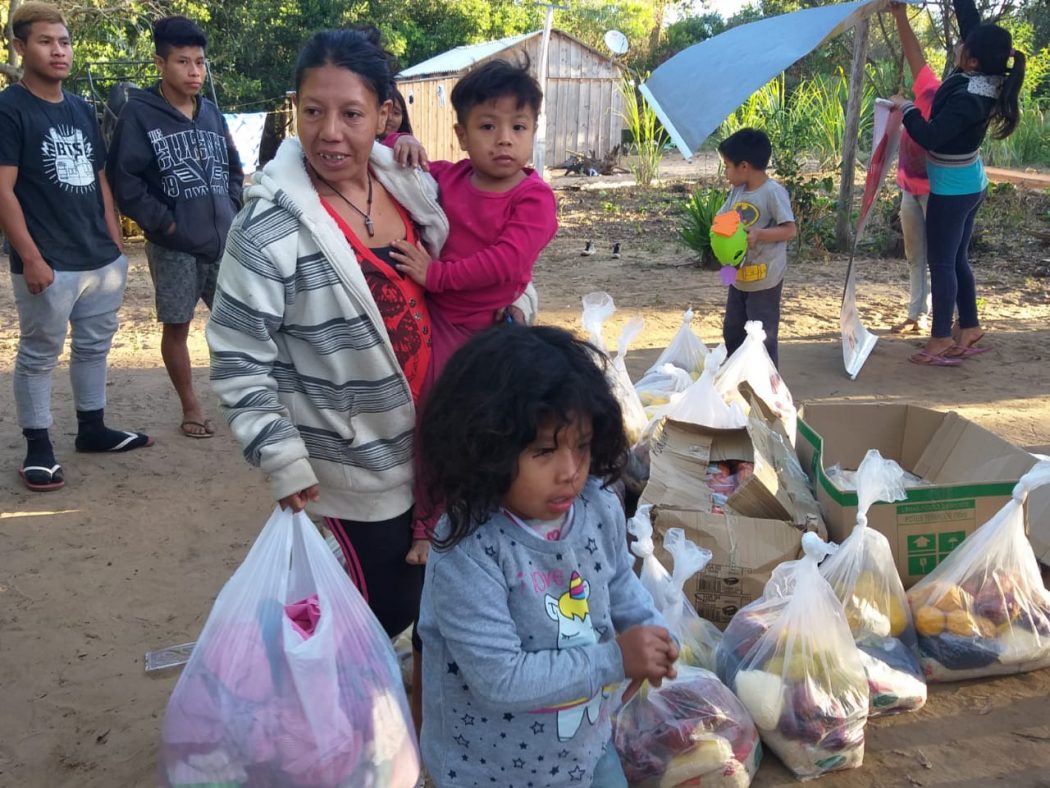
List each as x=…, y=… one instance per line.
x=583, y=103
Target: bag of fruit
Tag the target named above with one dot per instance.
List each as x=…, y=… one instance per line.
x=792, y=662
x=690, y=730
x=865, y=579
x=984, y=610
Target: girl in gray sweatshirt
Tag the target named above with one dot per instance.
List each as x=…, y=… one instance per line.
x=531, y=615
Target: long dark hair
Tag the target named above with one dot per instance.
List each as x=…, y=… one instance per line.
x=350, y=49
x=992, y=46
x=494, y=395
x=397, y=98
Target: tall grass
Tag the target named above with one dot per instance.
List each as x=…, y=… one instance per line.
x=647, y=134
x=1028, y=145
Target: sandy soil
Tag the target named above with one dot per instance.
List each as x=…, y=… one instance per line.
x=129, y=556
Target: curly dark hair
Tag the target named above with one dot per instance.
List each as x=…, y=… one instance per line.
x=494, y=395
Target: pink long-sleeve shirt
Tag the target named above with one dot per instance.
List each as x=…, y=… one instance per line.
x=493, y=242
x=911, y=162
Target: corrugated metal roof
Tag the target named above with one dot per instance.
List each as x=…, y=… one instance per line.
x=455, y=60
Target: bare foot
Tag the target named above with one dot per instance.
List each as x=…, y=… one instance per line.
x=938, y=346
x=968, y=337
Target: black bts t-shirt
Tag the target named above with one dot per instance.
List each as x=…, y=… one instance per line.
x=58, y=150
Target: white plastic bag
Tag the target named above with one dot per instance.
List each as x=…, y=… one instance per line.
x=659, y=385
x=597, y=308
x=864, y=577
x=793, y=663
x=691, y=729
x=686, y=350
x=293, y=681
x=984, y=611
x=751, y=364
x=697, y=636
x=703, y=404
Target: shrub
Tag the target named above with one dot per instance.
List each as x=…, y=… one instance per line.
x=698, y=212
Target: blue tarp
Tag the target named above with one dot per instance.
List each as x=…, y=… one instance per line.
x=693, y=92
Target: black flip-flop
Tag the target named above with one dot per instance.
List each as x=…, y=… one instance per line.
x=40, y=479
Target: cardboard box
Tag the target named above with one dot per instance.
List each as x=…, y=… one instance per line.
x=765, y=516
x=746, y=550
x=973, y=473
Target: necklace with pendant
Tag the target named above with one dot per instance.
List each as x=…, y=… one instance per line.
x=366, y=215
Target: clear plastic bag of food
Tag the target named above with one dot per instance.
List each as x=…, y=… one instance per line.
x=751, y=363
x=697, y=637
x=864, y=577
x=984, y=611
x=292, y=682
x=689, y=731
x=685, y=350
x=790, y=658
x=702, y=403
x=690, y=728
x=598, y=307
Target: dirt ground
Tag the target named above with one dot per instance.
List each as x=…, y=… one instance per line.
x=129, y=556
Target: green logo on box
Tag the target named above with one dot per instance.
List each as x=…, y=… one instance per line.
x=948, y=541
x=922, y=543
x=921, y=564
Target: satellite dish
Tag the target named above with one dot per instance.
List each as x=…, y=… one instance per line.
x=617, y=42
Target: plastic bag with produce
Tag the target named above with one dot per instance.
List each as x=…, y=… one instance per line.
x=597, y=308
x=984, y=610
x=686, y=350
x=697, y=637
x=864, y=577
x=751, y=364
x=792, y=662
x=702, y=403
x=691, y=730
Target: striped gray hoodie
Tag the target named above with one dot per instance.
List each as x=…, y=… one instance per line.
x=300, y=359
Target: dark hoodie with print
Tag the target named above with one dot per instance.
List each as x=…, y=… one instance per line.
x=166, y=168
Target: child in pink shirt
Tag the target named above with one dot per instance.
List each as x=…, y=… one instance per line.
x=501, y=215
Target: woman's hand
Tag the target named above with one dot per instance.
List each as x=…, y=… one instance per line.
x=412, y=260
x=297, y=501
x=899, y=10
x=899, y=101
x=418, y=553
x=409, y=152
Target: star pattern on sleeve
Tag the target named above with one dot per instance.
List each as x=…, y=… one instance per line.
x=591, y=546
x=576, y=774
x=537, y=728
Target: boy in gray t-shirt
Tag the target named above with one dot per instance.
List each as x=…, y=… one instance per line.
x=765, y=210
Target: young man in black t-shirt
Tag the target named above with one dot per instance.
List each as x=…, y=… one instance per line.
x=67, y=265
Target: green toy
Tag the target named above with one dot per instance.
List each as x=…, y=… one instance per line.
x=729, y=239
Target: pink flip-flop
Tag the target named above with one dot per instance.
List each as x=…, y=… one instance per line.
x=932, y=360
x=965, y=351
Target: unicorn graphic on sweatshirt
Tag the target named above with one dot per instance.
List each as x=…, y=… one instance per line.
x=573, y=615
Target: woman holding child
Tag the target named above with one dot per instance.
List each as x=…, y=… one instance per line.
x=319, y=347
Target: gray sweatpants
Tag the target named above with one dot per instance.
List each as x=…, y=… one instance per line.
x=86, y=301
x=913, y=228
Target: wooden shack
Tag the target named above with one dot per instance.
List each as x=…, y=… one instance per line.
x=583, y=101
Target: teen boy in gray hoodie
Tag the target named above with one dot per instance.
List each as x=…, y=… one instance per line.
x=176, y=172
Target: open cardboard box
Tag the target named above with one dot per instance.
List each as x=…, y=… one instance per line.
x=764, y=520
x=973, y=473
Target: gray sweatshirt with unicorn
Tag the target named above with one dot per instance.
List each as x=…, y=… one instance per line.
x=520, y=661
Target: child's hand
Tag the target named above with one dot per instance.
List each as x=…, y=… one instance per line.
x=899, y=101
x=412, y=260
x=752, y=238
x=648, y=653
x=420, y=550
x=409, y=152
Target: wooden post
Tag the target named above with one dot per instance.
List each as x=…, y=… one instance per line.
x=843, y=220
x=539, y=145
